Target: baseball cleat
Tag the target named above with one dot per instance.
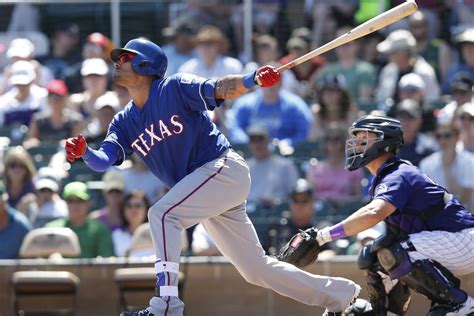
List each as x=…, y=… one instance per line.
x=463, y=309
x=351, y=302
x=143, y=312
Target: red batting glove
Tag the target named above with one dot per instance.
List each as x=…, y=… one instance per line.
x=75, y=147
x=267, y=76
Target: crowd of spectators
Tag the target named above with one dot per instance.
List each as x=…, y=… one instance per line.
x=420, y=71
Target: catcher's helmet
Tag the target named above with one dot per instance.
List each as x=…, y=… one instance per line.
x=150, y=59
x=389, y=138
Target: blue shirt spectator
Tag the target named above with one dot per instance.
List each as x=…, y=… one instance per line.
x=13, y=228
x=285, y=115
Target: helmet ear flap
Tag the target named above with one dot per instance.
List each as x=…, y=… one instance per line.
x=143, y=64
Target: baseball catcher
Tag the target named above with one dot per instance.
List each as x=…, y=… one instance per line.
x=430, y=235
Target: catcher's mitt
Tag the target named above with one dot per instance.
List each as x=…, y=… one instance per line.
x=302, y=249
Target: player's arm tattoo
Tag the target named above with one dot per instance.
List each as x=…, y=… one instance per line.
x=230, y=87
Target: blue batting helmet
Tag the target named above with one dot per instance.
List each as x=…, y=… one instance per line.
x=150, y=59
x=389, y=138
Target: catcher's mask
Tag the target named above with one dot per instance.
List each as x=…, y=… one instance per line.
x=387, y=137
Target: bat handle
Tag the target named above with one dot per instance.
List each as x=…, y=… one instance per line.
x=287, y=66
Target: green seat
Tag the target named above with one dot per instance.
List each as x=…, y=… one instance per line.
x=41, y=155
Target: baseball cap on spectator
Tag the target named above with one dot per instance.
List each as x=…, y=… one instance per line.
x=467, y=36
x=297, y=43
x=113, y=180
x=411, y=81
x=266, y=40
x=257, y=130
x=302, y=32
x=181, y=28
x=20, y=47
x=76, y=189
x=108, y=99
x=94, y=66
x=461, y=82
x=46, y=183
x=22, y=72
x=396, y=41
x=99, y=39
x=409, y=107
x=467, y=108
x=68, y=27
x=302, y=186
x=57, y=87
x=211, y=34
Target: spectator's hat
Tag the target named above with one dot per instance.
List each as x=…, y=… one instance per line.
x=108, y=99
x=22, y=73
x=257, y=130
x=46, y=183
x=302, y=186
x=467, y=36
x=210, y=34
x=409, y=107
x=76, y=189
x=57, y=87
x=302, y=32
x=398, y=40
x=113, y=180
x=20, y=47
x=181, y=28
x=461, y=82
x=297, y=43
x=266, y=40
x=94, y=66
x=68, y=27
x=412, y=82
x=467, y=108
x=99, y=39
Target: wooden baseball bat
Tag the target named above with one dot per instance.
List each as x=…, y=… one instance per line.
x=376, y=23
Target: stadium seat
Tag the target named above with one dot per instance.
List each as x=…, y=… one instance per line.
x=43, y=243
x=132, y=280
x=41, y=155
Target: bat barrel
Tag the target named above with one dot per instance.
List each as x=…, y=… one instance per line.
x=376, y=23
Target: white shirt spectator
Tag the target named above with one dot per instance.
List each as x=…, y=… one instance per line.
x=35, y=102
x=223, y=66
x=144, y=181
x=202, y=244
x=462, y=169
x=122, y=240
x=267, y=178
x=388, y=80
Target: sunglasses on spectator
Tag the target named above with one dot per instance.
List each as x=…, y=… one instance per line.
x=445, y=135
x=125, y=58
x=134, y=205
x=301, y=201
x=467, y=118
x=257, y=138
x=14, y=165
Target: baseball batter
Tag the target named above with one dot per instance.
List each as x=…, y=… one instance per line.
x=430, y=237
x=167, y=125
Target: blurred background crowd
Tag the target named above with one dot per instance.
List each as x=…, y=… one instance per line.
x=55, y=82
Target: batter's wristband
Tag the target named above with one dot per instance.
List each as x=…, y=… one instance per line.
x=249, y=80
x=337, y=231
x=87, y=153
